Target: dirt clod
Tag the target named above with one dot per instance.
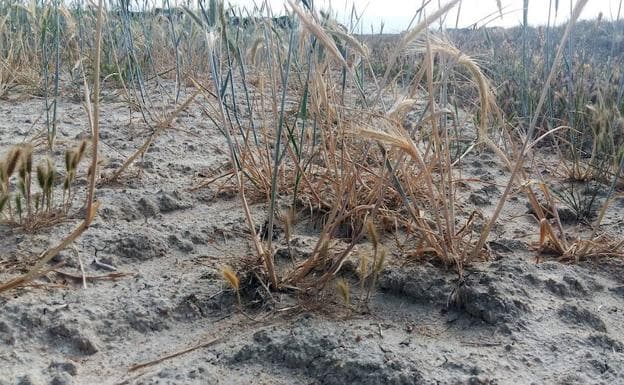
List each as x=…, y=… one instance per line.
x=328, y=358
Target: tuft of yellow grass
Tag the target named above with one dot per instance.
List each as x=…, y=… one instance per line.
x=345, y=291
x=232, y=279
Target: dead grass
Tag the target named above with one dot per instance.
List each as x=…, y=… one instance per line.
x=312, y=129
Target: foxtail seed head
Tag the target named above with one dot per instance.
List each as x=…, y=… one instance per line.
x=230, y=276
x=345, y=291
x=13, y=160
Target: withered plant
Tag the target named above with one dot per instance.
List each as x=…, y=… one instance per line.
x=33, y=207
x=311, y=129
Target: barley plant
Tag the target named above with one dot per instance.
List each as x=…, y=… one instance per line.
x=30, y=207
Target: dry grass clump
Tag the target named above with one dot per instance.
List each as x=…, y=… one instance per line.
x=307, y=130
x=314, y=121
x=595, y=247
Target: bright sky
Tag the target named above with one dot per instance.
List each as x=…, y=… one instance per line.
x=396, y=14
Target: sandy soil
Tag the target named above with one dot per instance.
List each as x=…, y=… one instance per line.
x=521, y=322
